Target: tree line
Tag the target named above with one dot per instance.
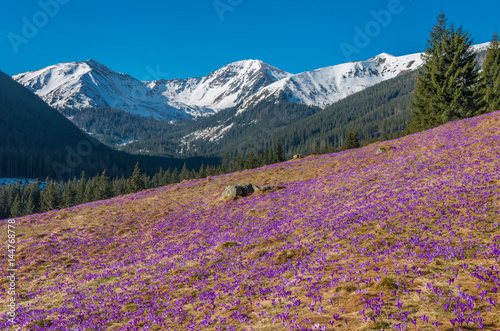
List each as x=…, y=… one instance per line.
x=18, y=199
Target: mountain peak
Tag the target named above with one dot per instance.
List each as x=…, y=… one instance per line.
x=382, y=56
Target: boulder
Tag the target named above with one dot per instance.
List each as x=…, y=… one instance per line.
x=298, y=156
x=242, y=190
x=239, y=190
x=384, y=149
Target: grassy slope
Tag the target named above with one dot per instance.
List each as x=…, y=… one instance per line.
x=394, y=237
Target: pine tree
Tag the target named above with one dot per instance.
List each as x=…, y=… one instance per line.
x=136, y=181
x=279, y=155
x=351, y=140
x=446, y=88
x=491, y=77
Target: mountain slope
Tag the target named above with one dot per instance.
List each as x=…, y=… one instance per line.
x=90, y=84
x=377, y=111
x=325, y=86
x=80, y=85
x=403, y=239
x=37, y=141
x=221, y=89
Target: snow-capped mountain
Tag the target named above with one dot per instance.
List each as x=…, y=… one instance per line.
x=322, y=87
x=91, y=84
x=221, y=89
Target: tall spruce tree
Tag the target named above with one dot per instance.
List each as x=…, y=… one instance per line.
x=447, y=87
x=279, y=154
x=51, y=196
x=104, y=189
x=351, y=140
x=490, y=75
x=136, y=181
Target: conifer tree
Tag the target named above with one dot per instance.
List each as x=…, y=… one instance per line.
x=351, y=140
x=167, y=177
x=136, y=181
x=104, y=189
x=120, y=186
x=51, y=196
x=490, y=75
x=184, y=175
x=69, y=194
x=446, y=88
x=317, y=148
x=80, y=189
x=30, y=208
x=201, y=172
x=174, y=178
x=279, y=155
x=17, y=207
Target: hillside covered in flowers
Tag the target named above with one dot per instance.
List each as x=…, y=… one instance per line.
x=399, y=235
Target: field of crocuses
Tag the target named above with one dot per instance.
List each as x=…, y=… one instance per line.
x=399, y=235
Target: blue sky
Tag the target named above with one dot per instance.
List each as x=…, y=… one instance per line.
x=178, y=39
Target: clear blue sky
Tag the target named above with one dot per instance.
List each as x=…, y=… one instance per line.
x=178, y=39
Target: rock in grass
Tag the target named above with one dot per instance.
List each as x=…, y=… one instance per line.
x=239, y=190
x=298, y=156
x=242, y=190
x=384, y=149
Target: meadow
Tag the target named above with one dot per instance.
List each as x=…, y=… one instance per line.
x=397, y=235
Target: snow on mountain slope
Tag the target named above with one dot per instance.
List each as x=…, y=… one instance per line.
x=322, y=87
x=91, y=84
x=221, y=89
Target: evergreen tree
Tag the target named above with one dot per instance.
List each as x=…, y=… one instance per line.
x=69, y=194
x=175, y=178
x=90, y=189
x=351, y=140
x=202, y=173
x=136, y=181
x=167, y=177
x=251, y=160
x=120, y=186
x=17, y=207
x=184, y=172
x=31, y=207
x=317, y=148
x=51, y=196
x=446, y=88
x=279, y=155
x=491, y=77
x=104, y=189
x=80, y=189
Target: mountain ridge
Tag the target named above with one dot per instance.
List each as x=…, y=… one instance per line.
x=90, y=84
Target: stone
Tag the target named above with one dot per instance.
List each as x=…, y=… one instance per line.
x=239, y=190
x=298, y=156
